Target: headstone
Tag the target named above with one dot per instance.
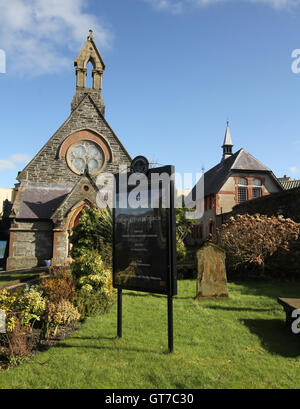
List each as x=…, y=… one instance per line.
x=211, y=279
x=2, y=322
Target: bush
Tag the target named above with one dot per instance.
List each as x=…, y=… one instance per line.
x=62, y=313
x=22, y=310
x=27, y=306
x=89, y=262
x=31, y=306
x=7, y=304
x=94, y=284
x=91, y=302
x=250, y=240
x=180, y=249
x=59, y=287
x=19, y=341
x=94, y=231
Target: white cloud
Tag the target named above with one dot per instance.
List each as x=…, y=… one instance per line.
x=10, y=163
x=294, y=169
x=278, y=4
x=36, y=33
x=178, y=6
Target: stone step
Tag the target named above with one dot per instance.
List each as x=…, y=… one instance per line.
x=16, y=286
x=25, y=271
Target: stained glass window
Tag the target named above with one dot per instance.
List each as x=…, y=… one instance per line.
x=85, y=153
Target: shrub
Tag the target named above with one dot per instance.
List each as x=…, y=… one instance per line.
x=27, y=306
x=59, y=271
x=183, y=229
x=18, y=340
x=8, y=299
x=31, y=306
x=62, y=313
x=22, y=310
x=183, y=225
x=95, y=281
x=180, y=249
x=94, y=284
x=91, y=269
x=250, y=240
x=90, y=302
x=59, y=287
x=89, y=262
x=93, y=232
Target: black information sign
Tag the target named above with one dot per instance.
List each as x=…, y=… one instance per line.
x=144, y=245
x=144, y=240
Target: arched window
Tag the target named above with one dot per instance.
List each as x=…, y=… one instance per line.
x=89, y=75
x=257, y=188
x=242, y=190
x=243, y=182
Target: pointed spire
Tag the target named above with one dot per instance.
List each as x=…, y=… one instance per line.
x=227, y=139
x=227, y=144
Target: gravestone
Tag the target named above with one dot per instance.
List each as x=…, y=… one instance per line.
x=211, y=278
x=2, y=322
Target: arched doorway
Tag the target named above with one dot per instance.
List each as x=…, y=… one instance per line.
x=73, y=220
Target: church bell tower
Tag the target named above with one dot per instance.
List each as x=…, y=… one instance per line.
x=227, y=144
x=89, y=54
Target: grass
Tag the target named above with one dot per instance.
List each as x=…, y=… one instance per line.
x=238, y=343
x=8, y=278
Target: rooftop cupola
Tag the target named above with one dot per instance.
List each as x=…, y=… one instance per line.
x=227, y=144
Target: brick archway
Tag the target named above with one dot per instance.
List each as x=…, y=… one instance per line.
x=75, y=214
x=61, y=242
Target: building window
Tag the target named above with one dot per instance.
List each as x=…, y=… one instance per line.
x=85, y=154
x=242, y=190
x=257, y=188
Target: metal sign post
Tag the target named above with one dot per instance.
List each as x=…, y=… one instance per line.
x=144, y=242
x=119, y=312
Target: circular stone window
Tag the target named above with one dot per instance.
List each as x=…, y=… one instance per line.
x=85, y=153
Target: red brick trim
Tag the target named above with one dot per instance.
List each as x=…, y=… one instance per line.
x=218, y=202
x=85, y=135
x=236, y=196
x=12, y=240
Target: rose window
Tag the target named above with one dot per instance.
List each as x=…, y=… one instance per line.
x=84, y=154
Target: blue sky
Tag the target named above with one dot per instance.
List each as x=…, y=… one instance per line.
x=176, y=70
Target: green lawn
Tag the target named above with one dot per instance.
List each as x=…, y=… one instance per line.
x=7, y=278
x=238, y=343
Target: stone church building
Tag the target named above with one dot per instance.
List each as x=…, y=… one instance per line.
x=59, y=181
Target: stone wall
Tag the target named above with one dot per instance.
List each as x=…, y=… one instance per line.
x=46, y=166
x=30, y=244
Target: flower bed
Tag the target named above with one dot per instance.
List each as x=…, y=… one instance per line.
x=38, y=316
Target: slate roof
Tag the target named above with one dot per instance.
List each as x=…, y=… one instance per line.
x=40, y=200
x=215, y=178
